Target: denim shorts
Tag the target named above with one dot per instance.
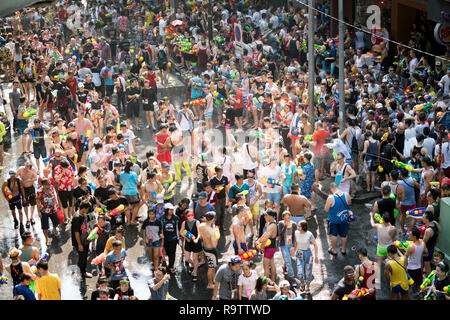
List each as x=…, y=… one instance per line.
x=275, y=197
x=155, y=244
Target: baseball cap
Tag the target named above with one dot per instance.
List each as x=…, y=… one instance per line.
x=203, y=195
x=235, y=259
x=194, y=196
x=284, y=283
x=438, y=63
x=14, y=253
x=96, y=140
x=210, y=215
x=12, y=172
x=271, y=213
x=168, y=205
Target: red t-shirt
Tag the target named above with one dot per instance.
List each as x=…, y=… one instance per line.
x=72, y=84
x=319, y=137
x=239, y=97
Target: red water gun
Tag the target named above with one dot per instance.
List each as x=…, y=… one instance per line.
x=198, y=102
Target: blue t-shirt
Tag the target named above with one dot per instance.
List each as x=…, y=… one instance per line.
x=24, y=291
x=129, y=183
x=159, y=294
x=196, y=93
x=112, y=259
x=234, y=190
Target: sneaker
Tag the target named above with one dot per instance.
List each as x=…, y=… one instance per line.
x=87, y=275
x=148, y=127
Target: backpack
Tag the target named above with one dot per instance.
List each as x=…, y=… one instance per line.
x=161, y=55
x=354, y=146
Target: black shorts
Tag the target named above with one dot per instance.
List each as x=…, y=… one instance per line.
x=148, y=107
x=238, y=112
x=39, y=150
x=44, y=220
x=162, y=66
x=192, y=247
x=66, y=198
x=15, y=202
x=132, y=110
x=30, y=196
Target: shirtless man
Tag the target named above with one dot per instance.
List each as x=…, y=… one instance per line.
x=151, y=188
x=269, y=252
x=298, y=205
x=240, y=220
x=15, y=185
x=209, y=243
x=28, y=175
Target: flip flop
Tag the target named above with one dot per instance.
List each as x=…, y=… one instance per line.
x=32, y=221
x=194, y=278
x=330, y=251
x=344, y=253
x=28, y=224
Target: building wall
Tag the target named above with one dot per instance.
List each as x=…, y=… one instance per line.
x=404, y=13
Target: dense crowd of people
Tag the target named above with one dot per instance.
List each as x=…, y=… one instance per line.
x=84, y=72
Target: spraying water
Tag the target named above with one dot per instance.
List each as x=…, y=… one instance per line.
x=139, y=280
x=70, y=289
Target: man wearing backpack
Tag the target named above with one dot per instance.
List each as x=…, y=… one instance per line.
x=162, y=62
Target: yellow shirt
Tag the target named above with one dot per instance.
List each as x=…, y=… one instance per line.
x=398, y=274
x=109, y=247
x=48, y=287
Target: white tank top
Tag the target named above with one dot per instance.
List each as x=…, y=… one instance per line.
x=344, y=186
x=384, y=239
x=415, y=258
x=358, y=62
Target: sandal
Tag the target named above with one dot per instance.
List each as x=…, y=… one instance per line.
x=32, y=221
x=330, y=251
x=344, y=253
x=194, y=278
x=28, y=224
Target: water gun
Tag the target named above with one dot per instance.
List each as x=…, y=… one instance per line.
x=359, y=283
x=7, y=192
x=402, y=165
x=86, y=140
x=435, y=183
x=200, y=84
x=198, y=102
x=423, y=107
x=228, y=75
x=186, y=76
x=380, y=169
x=309, y=137
x=173, y=185
x=116, y=297
x=169, y=297
x=217, y=232
x=3, y=279
x=117, y=210
x=272, y=181
x=256, y=133
x=98, y=259
x=401, y=98
x=29, y=113
x=447, y=289
x=92, y=185
x=421, y=228
x=378, y=218
x=402, y=244
x=358, y=293
x=300, y=171
x=351, y=216
x=218, y=96
x=259, y=246
x=417, y=212
x=428, y=280
x=257, y=103
x=243, y=193
x=188, y=235
x=248, y=255
x=94, y=234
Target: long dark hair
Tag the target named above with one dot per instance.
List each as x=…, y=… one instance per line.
x=128, y=166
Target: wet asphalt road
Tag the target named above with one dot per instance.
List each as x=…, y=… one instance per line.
x=63, y=259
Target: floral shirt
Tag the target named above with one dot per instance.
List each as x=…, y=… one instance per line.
x=66, y=181
x=48, y=200
x=306, y=184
